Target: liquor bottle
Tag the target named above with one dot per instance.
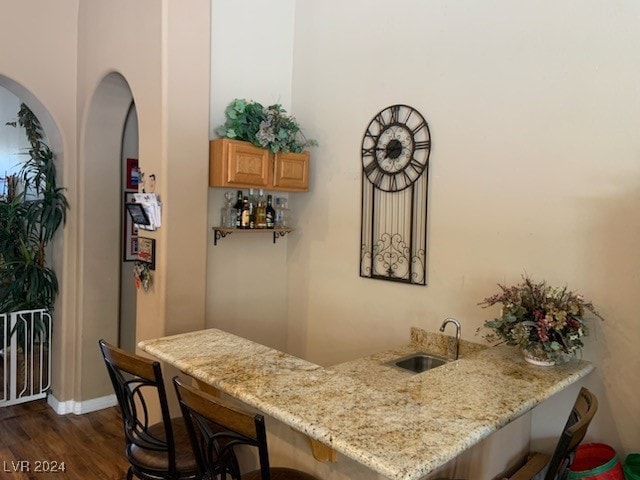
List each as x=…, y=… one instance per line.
x=271, y=213
x=253, y=203
x=277, y=221
x=261, y=213
x=238, y=208
x=245, y=217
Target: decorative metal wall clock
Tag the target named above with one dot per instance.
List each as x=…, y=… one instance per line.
x=395, y=159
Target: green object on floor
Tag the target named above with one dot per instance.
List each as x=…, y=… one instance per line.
x=632, y=467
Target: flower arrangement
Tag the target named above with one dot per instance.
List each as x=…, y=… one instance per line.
x=545, y=321
x=268, y=127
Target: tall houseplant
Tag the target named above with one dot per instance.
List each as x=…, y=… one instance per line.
x=30, y=215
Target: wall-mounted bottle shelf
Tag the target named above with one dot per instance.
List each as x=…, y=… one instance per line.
x=219, y=232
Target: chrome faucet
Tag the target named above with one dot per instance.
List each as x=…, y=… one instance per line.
x=458, y=328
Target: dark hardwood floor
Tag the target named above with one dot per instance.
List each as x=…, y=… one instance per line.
x=91, y=445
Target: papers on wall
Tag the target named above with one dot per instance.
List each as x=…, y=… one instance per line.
x=152, y=207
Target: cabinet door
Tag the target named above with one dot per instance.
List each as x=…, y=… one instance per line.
x=291, y=171
x=238, y=164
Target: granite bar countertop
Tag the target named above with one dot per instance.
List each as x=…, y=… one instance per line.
x=399, y=424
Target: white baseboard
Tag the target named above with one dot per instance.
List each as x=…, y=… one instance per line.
x=71, y=406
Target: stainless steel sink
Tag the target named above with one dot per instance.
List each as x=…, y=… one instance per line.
x=418, y=362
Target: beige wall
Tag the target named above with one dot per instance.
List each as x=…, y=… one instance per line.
x=533, y=109
x=185, y=166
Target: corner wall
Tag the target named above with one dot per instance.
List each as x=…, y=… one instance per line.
x=246, y=275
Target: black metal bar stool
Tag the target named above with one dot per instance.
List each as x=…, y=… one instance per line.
x=155, y=451
x=216, y=429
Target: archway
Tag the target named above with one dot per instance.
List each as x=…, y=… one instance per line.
x=100, y=229
x=128, y=294
x=55, y=257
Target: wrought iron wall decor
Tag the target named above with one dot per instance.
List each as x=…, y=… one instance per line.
x=395, y=158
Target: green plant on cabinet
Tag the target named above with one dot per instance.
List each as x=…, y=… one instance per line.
x=267, y=127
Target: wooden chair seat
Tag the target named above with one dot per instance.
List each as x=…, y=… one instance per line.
x=215, y=429
x=153, y=459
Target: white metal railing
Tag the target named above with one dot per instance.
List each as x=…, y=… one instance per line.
x=25, y=357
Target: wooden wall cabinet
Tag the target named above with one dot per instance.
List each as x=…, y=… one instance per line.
x=291, y=171
x=233, y=163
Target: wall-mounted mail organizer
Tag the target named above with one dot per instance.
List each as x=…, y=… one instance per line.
x=145, y=211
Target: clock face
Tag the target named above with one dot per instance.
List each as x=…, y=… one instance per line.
x=395, y=148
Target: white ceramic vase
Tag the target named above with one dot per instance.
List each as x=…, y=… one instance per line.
x=538, y=360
